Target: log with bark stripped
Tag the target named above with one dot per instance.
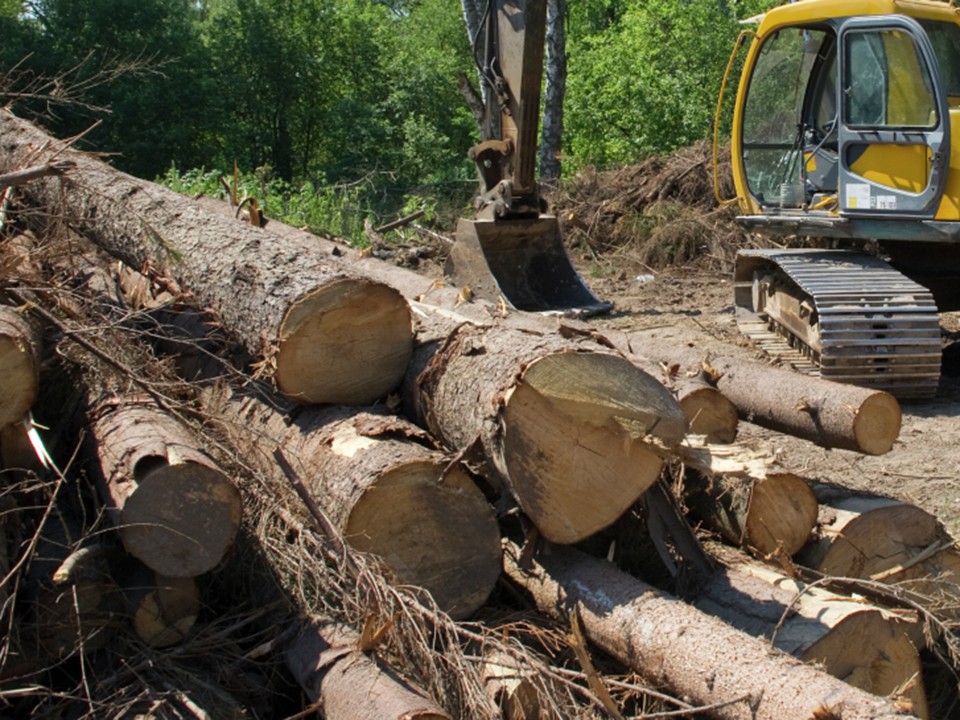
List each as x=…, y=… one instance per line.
x=830, y=414
x=864, y=645
x=739, y=492
x=566, y=424
x=346, y=683
x=19, y=364
x=174, y=509
x=328, y=334
x=385, y=489
x=688, y=651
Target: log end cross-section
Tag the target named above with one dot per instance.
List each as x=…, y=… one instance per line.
x=347, y=342
x=19, y=363
x=576, y=440
x=434, y=528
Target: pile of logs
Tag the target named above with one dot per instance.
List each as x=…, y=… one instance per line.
x=503, y=417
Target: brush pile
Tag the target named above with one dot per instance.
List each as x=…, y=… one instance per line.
x=248, y=473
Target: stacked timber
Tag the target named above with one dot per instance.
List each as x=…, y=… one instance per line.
x=384, y=488
x=325, y=333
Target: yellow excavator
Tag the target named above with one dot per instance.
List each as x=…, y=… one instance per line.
x=512, y=252
x=842, y=127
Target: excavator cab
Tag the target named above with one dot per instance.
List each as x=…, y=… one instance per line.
x=512, y=252
x=842, y=131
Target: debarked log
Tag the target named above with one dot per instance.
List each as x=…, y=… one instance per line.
x=384, y=487
x=175, y=510
x=346, y=683
x=830, y=414
x=739, y=492
x=573, y=429
x=325, y=332
x=19, y=364
x=684, y=649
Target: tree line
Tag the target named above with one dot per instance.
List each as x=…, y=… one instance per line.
x=319, y=92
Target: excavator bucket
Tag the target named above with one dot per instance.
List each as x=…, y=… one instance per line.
x=522, y=263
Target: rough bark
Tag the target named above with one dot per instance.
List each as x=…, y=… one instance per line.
x=328, y=334
x=347, y=683
x=690, y=652
x=738, y=492
x=19, y=365
x=881, y=539
x=563, y=422
x=868, y=647
x=384, y=487
x=175, y=510
x=830, y=414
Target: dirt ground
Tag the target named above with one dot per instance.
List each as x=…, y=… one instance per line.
x=696, y=307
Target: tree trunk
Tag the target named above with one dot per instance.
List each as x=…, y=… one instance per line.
x=881, y=539
x=830, y=414
x=555, y=87
x=174, y=509
x=562, y=422
x=691, y=653
x=736, y=491
x=328, y=334
x=347, y=683
x=19, y=365
x=384, y=487
x=863, y=645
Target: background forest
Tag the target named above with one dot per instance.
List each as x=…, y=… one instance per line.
x=339, y=109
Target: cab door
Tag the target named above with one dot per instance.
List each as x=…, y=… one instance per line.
x=894, y=133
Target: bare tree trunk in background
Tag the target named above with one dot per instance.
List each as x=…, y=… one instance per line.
x=555, y=68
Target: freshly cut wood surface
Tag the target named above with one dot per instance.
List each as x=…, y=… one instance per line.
x=709, y=412
x=164, y=610
x=881, y=539
x=571, y=428
x=739, y=492
x=385, y=488
x=866, y=646
x=691, y=653
x=827, y=413
x=175, y=510
x=306, y=313
x=347, y=683
x=19, y=365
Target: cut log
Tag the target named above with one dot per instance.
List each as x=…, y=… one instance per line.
x=347, y=684
x=564, y=423
x=738, y=492
x=830, y=414
x=508, y=685
x=329, y=334
x=175, y=510
x=709, y=412
x=686, y=650
x=385, y=488
x=863, y=645
x=163, y=609
x=19, y=365
x=881, y=539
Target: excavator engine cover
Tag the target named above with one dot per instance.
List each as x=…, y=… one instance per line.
x=522, y=263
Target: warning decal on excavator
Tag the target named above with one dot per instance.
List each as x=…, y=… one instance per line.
x=858, y=196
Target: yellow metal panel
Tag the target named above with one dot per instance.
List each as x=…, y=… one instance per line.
x=950, y=202
x=903, y=167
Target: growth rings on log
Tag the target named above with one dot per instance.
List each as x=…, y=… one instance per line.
x=175, y=510
x=568, y=426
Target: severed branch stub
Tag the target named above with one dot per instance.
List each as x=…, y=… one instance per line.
x=22, y=177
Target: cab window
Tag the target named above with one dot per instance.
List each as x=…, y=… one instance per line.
x=886, y=82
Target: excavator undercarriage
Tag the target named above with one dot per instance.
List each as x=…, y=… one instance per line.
x=843, y=315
